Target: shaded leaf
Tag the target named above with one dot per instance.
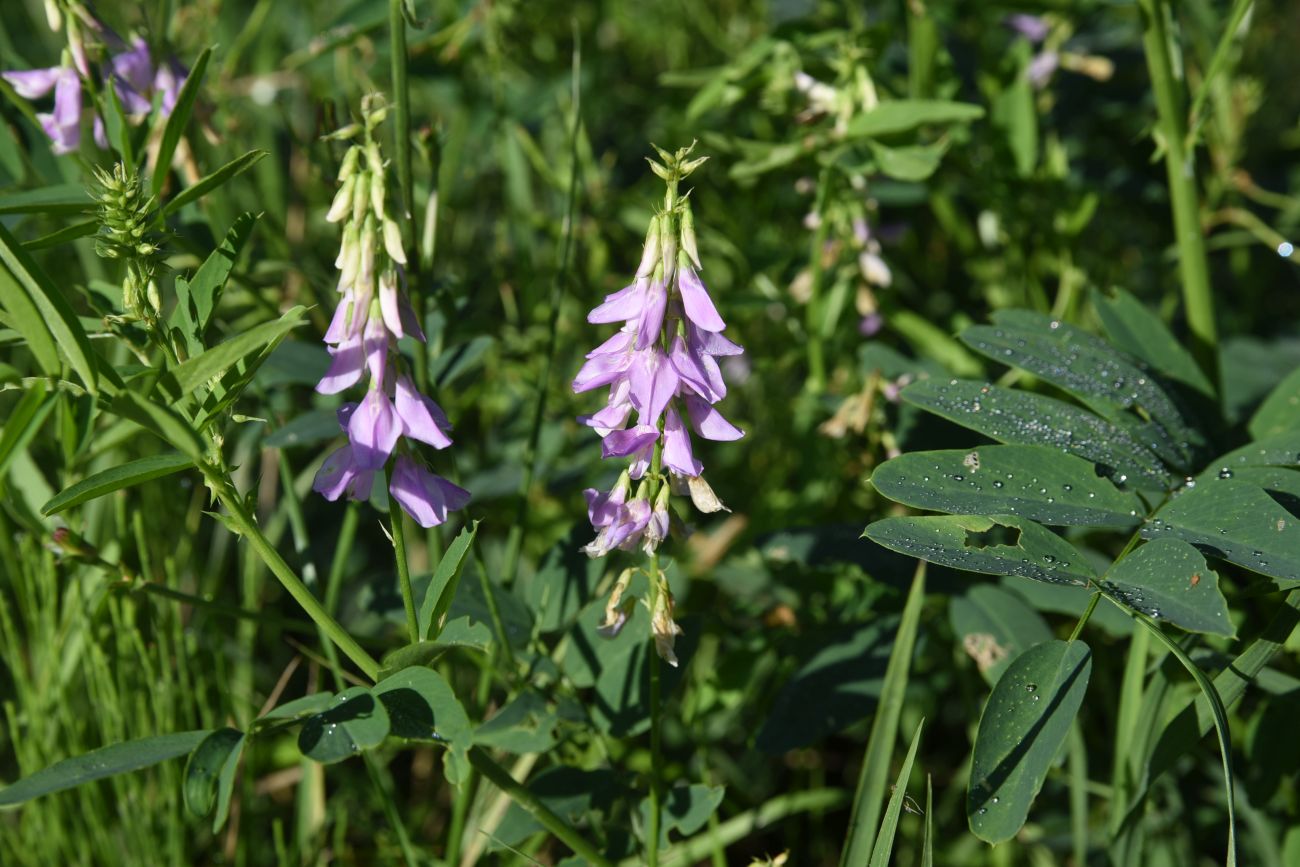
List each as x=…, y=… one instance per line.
x=175, y=122
x=1168, y=579
x=300, y=707
x=1280, y=411
x=114, y=479
x=1021, y=732
x=198, y=296
x=995, y=544
x=836, y=686
x=525, y=725
x=98, y=764
x=995, y=626
x=55, y=199
x=1022, y=418
x=910, y=162
x=423, y=707
x=1036, y=482
x=1139, y=332
x=685, y=808
x=458, y=633
x=210, y=774
x=161, y=421
x=357, y=721
x=884, y=846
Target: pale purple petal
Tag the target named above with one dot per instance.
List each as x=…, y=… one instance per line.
x=653, y=383
x=599, y=371
x=1041, y=67
x=613, y=417
x=424, y=496
x=169, y=79
x=652, y=315
x=375, y=343
x=623, y=305
x=689, y=368
x=422, y=419
x=390, y=305
x=620, y=443
x=711, y=343
x=34, y=83
x=334, y=474
x=698, y=304
x=64, y=125
x=604, y=508
x=344, y=413
x=100, y=134
x=708, y=422
x=134, y=69
x=677, y=446
x=339, y=325
x=618, y=344
x=374, y=429
x=346, y=366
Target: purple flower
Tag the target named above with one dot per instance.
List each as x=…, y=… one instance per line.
x=422, y=419
x=1032, y=27
x=133, y=77
x=374, y=429
x=341, y=474
x=63, y=125
x=624, y=529
x=425, y=496
x=870, y=325
x=1041, y=67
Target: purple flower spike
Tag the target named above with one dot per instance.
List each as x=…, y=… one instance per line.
x=346, y=366
x=426, y=497
x=422, y=419
x=677, y=446
x=698, y=304
x=374, y=429
x=651, y=320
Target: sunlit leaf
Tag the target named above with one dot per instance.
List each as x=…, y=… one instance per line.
x=114, y=479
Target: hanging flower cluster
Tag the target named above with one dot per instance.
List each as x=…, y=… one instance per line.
x=662, y=365
x=373, y=312
x=129, y=70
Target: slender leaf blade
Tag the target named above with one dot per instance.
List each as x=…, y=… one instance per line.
x=208, y=183
x=178, y=119
x=1280, y=411
x=884, y=848
x=114, y=479
x=1168, y=579
x=1141, y=333
x=212, y=364
x=903, y=115
x=98, y=764
x=210, y=774
x=442, y=589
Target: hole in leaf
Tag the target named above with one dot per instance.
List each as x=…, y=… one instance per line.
x=997, y=535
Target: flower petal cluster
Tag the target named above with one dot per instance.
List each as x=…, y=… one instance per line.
x=372, y=314
x=661, y=368
x=129, y=70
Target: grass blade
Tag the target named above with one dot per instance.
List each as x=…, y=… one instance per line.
x=885, y=839
x=177, y=120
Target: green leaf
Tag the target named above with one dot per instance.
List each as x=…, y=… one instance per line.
x=909, y=163
x=1021, y=732
x=212, y=364
x=117, y=129
x=1235, y=521
x=1168, y=579
x=59, y=321
x=25, y=318
x=198, y=296
x=423, y=707
x=1036, y=482
x=685, y=808
x=1142, y=334
x=210, y=774
x=525, y=725
x=889, y=827
x=564, y=582
x=24, y=421
x=1281, y=450
x=1088, y=367
x=210, y=182
x=839, y=683
x=315, y=703
x=1280, y=411
x=176, y=121
x=903, y=115
x=622, y=691
x=571, y=793
x=458, y=633
x=442, y=589
x=357, y=721
x=116, y=478
x=98, y=764
x=995, y=626
x=62, y=236
x=995, y=544
x=308, y=428
x=1022, y=418
x=57, y=199
x=161, y=421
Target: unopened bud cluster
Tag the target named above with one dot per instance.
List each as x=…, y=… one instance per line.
x=126, y=217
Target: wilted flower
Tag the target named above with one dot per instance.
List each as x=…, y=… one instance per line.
x=373, y=312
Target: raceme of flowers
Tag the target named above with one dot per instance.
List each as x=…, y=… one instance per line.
x=129, y=70
x=372, y=314
x=662, y=365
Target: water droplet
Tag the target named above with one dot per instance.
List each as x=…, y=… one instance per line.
x=1285, y=249
x=1036, y=698
x=983, y=810
x=1031, y=687
x=959, y=478
x=997, y=484
x=1068, y=487
x=996, y=799
x=1225, y=473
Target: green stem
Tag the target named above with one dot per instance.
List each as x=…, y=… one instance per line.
x=515, y=539
x=402, y=124
x=653, y=665
x=812, y=313
x=244, y=524
x=1180, y=168
x=397, y=521
x=1087, y=613
x=531, y=804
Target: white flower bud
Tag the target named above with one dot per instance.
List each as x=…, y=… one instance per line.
x=668, y=248
x=874, y=270
x=349, y=255
x=350, y=159
x=688, y=235
x=650, y=254
x=703, y=497
x=616, y=613
x=366, y=268
x=360, y=201
x=377, y=189
x=662, y=626
x=342, y=203
x=393, y=241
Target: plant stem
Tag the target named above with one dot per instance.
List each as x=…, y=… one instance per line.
x=652, y=663
x=244, y=524
x=1180, y=168
x=500, y=778
x=402, y=124
x=812, y=313
x=1087, y=613
x=397, y=520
